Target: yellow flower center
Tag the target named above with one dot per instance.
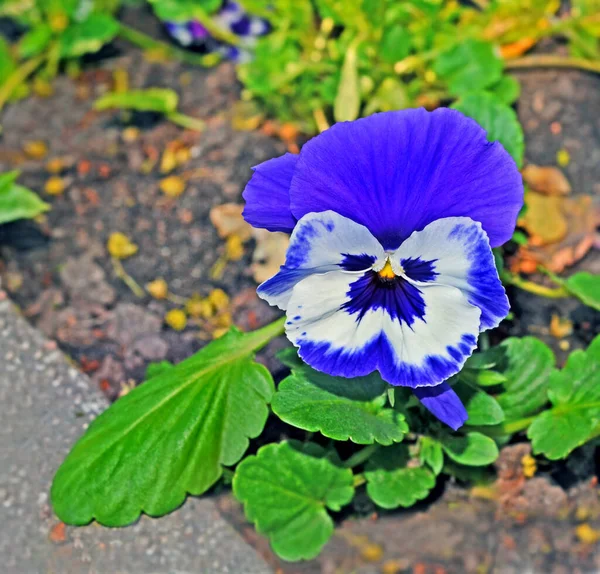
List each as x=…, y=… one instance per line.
x=387, y=272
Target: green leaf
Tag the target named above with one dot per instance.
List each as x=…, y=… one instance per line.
x=472, y=449
x=88, y=36
x=339, y=408
x=484, y=360
x=16, y=201
x=161, y=100
x=527, y=368
x=586, y=287
x=168, y=437
x=155, y=369
x=483, y=409
x=347, y=100
x=575, y=414
x=7, y=63
x=507, y=90
x=182, y=10
x=391, y=483
x=469, y=66
x=35, y=41
x=390, y=95
x=499, y=120
x=431, y=454
x=395, y=44
x=286, y=489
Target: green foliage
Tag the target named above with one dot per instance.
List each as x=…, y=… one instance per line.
x=286, y=489
x=527, y=365
x=168, y=437
x=314, y=401
x=471, y=449
x=586, y=287
x=498, y=119
x=16, y=201
x=183, y=10
x=431, y=454
x=469, y=66
x=88, y=36
x=392, y=483
x=483, y=409
x=574, y=417
x=160, y=100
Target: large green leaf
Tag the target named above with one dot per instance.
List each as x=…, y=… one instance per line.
x=527, y=369
x=160, y=100
x=16, y=201
x=339, y=408
x=472, y=449
x=88, y=36
x=286, y=490
x=498, y=119
x=183, y=10
x=469, y=66
x=575, y=414
x=391, y=483
x=431, y=453
x=586, y=287
x=168, y=437
x=507, y=90
x=395, y=44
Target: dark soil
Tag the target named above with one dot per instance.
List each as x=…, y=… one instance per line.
x=60, y=274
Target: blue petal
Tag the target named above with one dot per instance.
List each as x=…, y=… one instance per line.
x=455, y=251
x=267, y=194
x=442, y=402
x=396, y=172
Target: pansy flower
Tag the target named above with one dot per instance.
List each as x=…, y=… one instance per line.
x=390, y=268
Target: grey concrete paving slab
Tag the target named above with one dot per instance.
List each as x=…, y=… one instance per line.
x=45, y=404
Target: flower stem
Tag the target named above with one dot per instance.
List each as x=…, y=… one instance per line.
x=126, y=278
x=361, y=456
x=187, y=122
x=517, y=426
x=551, y=61
x=534, y=288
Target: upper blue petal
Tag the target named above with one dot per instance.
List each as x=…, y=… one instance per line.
x=267, y=194
x=396, y=172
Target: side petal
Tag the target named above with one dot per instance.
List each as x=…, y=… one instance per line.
x=455, y=251
x=267, y=194
x=442, y=402
x=345, y=326
x=396, y=172
x=321, y=242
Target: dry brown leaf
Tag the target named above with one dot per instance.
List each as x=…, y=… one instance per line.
x=227, y=219
x=269, y=254
x=548, y=180
x=544, y=218
x=582, y=216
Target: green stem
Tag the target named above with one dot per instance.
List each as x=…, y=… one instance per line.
x=126, y=278
x=18, y=77
x=550, y=61
x=359, y=479
x=361, y=456
x=148, y=43
x=516, y=426
x=265, y=334
x=187, y=122
x=534, y=288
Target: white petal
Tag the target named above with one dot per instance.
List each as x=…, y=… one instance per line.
x=321, y=242
x=461, y=257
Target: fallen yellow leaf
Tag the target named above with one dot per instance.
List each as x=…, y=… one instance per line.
x=176, y=319
x=544, y=218
x=158, y=288
x=559, y=327
x=234, y=248
x=173, y=186
x=55, y=186
x=227, y=219
x=587, y=534
x=269, y=254
x=218, y=299
x=120, y=246
x=563, y=157
x=548, y=180
x=36, y=149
